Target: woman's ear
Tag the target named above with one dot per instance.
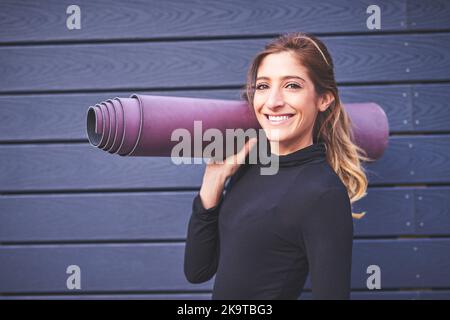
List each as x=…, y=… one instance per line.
x=325, y=101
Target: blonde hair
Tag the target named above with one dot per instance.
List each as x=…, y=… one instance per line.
x=333, y=126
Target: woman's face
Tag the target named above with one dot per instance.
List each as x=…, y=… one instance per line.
x=285, y=99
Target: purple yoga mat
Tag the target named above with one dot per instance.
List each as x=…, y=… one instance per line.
x=142, y=125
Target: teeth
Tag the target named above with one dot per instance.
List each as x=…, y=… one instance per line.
x=278, y=118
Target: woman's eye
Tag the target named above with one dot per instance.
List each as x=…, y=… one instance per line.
x=259, y=87
x=290, y=86
x=295, y=86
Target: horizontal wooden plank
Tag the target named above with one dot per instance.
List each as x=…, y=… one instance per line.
x=56, y=117
x=432, y=207
x=63, y=116
x=136, y=66
x=159, y=266
x=431, y=107
x=114, y=19
x=430, y=158
x=434, y=295
x=430, y=15
x=150, y=216
x=91, y=217
x=389, y=212
x=395, y=100
x=409, y=108
x=80, y=166
x=413, y=159
x=307, y=295
x=41, y=117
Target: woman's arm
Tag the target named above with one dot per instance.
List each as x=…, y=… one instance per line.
x=202, y=250
x=327, y=232
x=202, y=243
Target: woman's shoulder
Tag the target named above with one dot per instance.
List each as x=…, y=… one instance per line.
x=319, y=179
x=317, y=186
x=321, y=195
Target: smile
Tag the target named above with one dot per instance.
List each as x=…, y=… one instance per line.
x=278, y=119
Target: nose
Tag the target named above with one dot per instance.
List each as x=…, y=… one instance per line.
x=275, y=99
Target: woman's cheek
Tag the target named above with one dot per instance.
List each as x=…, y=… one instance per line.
x=257, y=103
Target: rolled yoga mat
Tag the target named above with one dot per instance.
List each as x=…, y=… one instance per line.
x=142, y=125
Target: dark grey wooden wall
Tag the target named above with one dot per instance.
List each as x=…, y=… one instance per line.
x=123, y=220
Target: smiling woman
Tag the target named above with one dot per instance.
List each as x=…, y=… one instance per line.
x=287, y=101
x=268, y=232
x=294, y=77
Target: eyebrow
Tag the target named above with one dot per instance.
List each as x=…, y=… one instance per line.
x=282, y=78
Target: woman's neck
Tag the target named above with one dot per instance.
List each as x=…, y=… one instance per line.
x=287, y=147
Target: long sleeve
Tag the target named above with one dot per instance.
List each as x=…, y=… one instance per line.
x=201, y=255
x=202, y=249
x=327, y=232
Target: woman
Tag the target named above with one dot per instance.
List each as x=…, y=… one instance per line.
x=268, y=232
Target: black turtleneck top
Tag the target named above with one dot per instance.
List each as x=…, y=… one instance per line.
x=268, y=232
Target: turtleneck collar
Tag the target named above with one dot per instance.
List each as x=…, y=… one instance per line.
x=315, y=151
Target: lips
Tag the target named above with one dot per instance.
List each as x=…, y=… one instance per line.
x=277, y=119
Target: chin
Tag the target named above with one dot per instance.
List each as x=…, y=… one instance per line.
x=272, y=137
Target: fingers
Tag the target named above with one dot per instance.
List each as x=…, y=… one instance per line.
x=240, y=156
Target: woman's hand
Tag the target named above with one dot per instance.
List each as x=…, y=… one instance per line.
x=216, y=173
